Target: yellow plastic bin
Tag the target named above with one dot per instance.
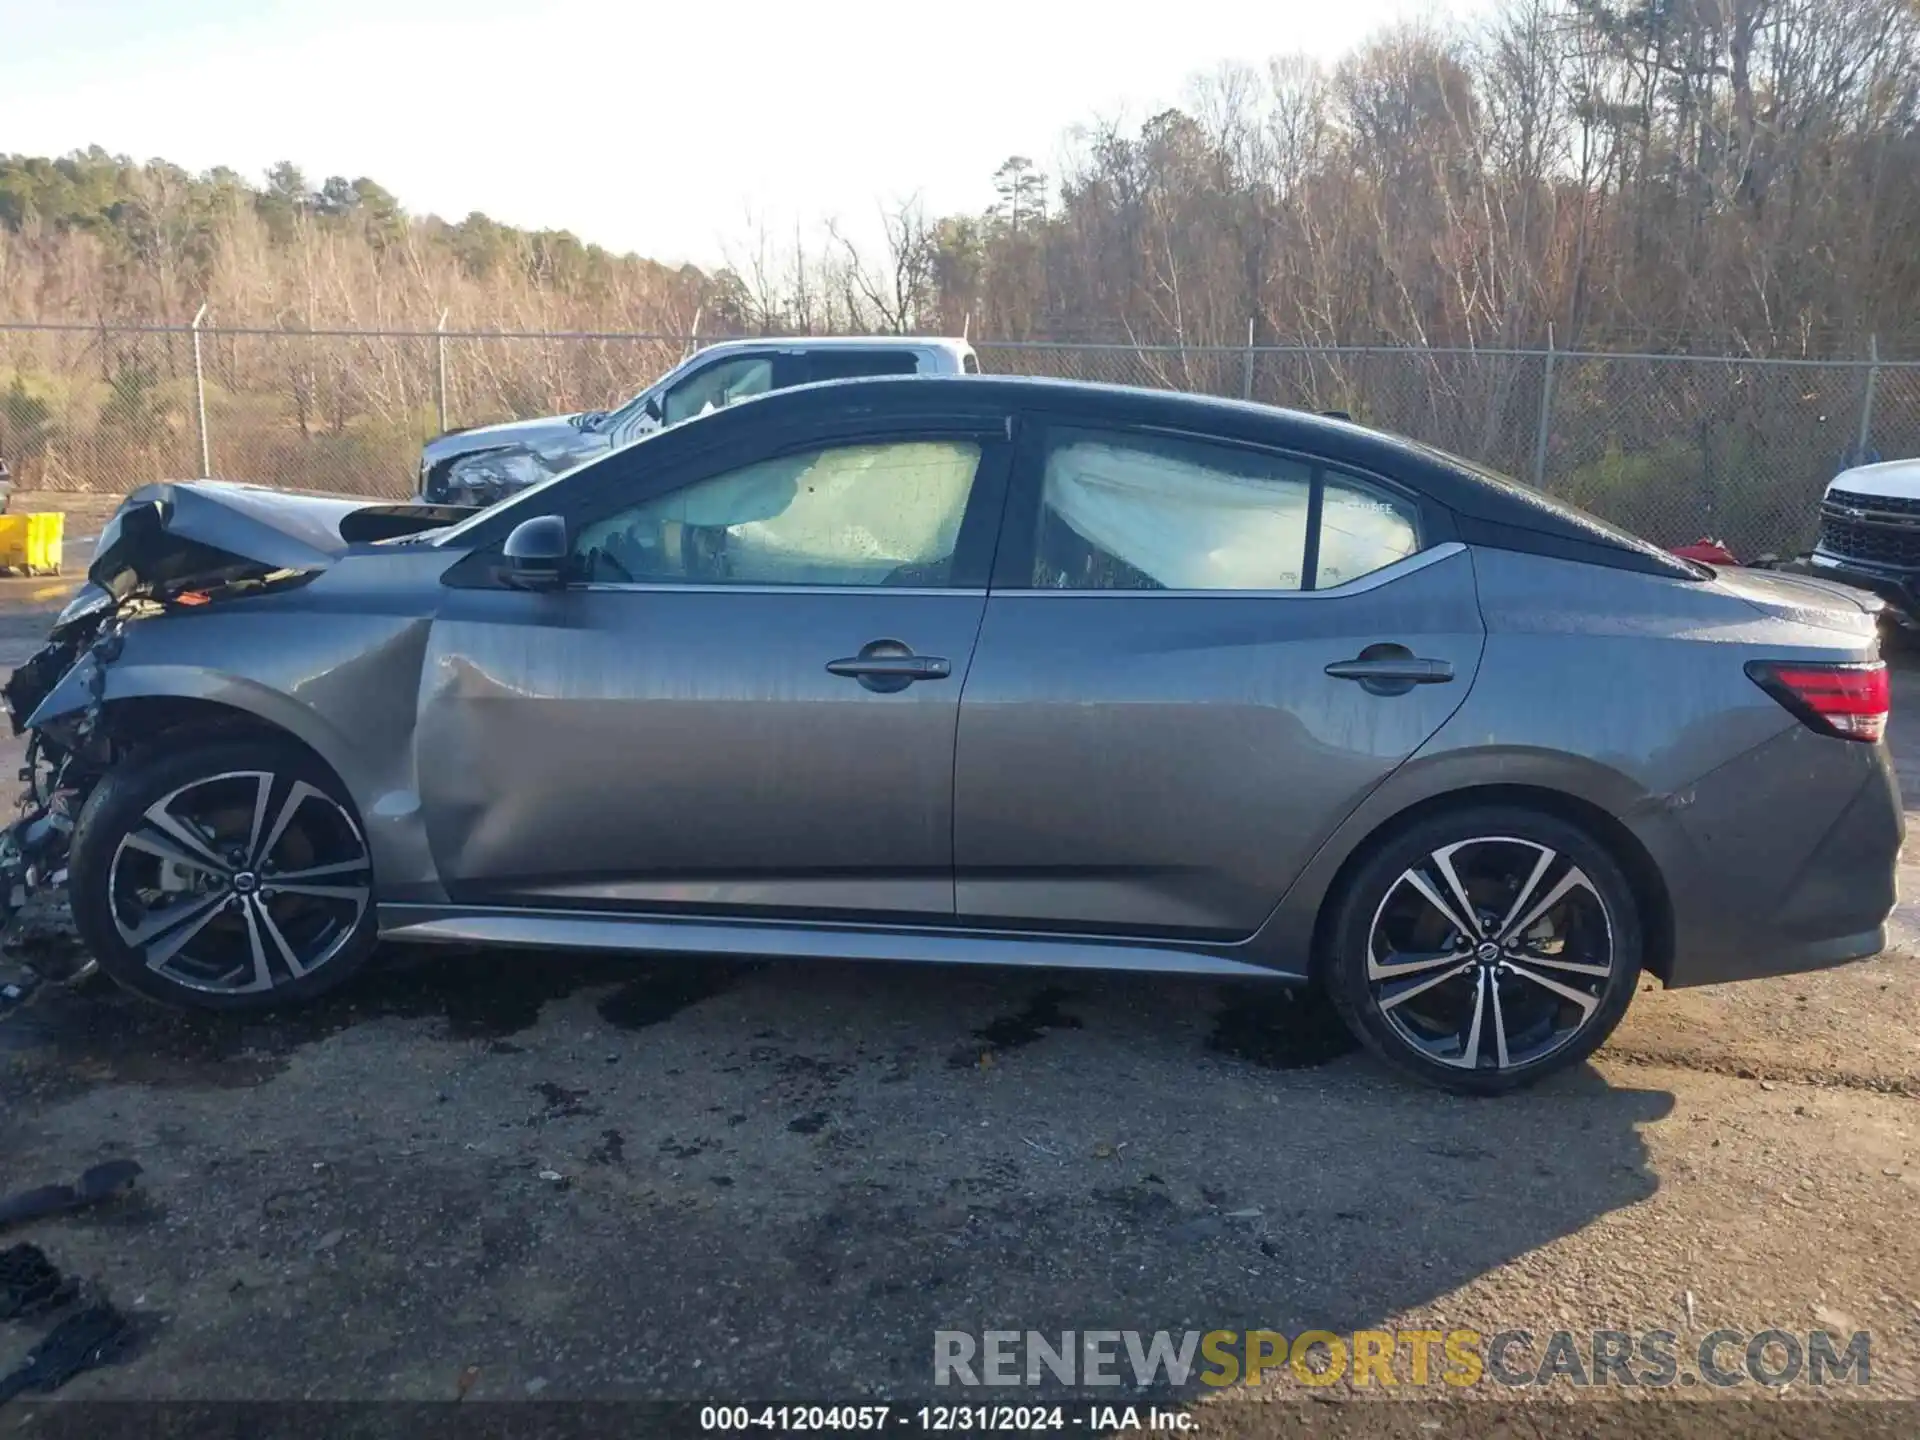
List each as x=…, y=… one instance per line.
x=31, y=544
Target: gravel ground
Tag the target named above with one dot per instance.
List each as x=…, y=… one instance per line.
x=514, y=1175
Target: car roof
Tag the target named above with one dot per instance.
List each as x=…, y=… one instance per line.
x=841, y=342
x=1487, y=505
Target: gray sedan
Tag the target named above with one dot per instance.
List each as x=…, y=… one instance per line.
x=972, y=670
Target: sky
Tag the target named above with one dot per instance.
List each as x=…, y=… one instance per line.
x=675, y=131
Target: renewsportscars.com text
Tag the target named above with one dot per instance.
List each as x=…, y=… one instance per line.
x=1362, y=1359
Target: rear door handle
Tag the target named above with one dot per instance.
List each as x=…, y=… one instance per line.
x=887, y=666
x=1411, y=671
x=902, y=667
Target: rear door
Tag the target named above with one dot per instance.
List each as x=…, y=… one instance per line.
x=1196, y=659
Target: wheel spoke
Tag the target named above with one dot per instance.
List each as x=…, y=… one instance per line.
x=157, y=923
x=1402, y=966
x=1587, y=1003
x=287, y=957
x=1540, y=867
x=1499, y=1024
x=1439, y=902
x=1443, y=862
x=262, y=798
x=283, y=878
x=1574, y=967
x=1469, y=1057
x=262, y=976
x=173, y=932
x=160, y=845
x=296, y=797
x=356, y=893
x=163, y=819
x=1407, y=994
x=1572, y=880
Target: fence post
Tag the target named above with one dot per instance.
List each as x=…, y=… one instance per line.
x=200, y=396
x=1866, y=403
x=440, y=369
x=1246, y=369
x=1546, y=417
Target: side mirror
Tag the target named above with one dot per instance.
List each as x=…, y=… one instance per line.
x=652, y=409
x=536, y=553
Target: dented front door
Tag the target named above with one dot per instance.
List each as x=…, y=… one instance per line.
x=727, y=712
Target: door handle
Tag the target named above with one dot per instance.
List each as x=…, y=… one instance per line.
x=1388, y=669
x=888, y=666
x=1411, y=671
x=903, y=667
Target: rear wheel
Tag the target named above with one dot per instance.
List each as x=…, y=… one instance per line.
x=1485, y=949
x=229, y=876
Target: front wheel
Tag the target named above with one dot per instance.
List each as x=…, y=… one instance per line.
x=1485, y=949
x=228, y=876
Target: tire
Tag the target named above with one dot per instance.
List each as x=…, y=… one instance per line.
x=1545, y=1001
x=291, y=921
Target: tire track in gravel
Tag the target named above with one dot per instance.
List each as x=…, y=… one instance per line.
x=1785, y=1074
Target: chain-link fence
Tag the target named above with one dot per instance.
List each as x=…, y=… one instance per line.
x=1674, y=447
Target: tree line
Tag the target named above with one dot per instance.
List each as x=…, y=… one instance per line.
x=1716, y=175
x=1677, y=176
x=1720, y=176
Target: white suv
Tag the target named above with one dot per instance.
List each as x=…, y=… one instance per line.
x=481, y=465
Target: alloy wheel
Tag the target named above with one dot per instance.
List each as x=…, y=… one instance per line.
x=1490, y=953
x=240, y=882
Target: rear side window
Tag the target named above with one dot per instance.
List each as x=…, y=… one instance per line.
x=1133, y=512
x=1362, y=529
x=852, y=364
x=970, y=363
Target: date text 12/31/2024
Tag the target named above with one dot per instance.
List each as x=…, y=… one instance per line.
x=939, y=1419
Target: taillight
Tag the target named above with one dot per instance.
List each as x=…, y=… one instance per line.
x=1849, y=701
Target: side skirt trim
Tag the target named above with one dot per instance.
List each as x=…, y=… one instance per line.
x=576, y=930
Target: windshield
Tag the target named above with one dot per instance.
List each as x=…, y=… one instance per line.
x=613, y=419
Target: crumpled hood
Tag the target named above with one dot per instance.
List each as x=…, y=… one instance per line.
x=195, y=534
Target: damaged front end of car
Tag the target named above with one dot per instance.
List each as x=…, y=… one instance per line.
x=170, y=549
x=55, y=775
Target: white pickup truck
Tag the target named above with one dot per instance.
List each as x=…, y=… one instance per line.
x=1870, y=535
x=486, y=463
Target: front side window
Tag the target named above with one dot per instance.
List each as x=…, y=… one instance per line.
x=1133, y=512
x=718, y=386
x=875, y=514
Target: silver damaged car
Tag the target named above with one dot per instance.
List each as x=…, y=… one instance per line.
x=485, y=463
x=971, y=670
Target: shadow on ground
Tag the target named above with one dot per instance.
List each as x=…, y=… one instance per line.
x=606, y=1177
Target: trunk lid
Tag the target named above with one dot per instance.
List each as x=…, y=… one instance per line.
x=1804, y=599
